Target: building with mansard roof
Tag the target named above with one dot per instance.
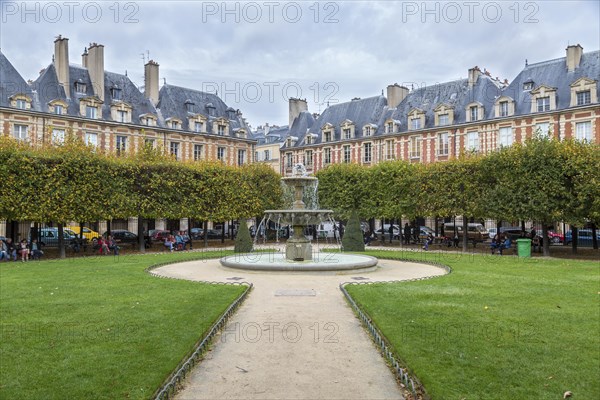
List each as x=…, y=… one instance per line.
x=107, y=110
x=436, y=122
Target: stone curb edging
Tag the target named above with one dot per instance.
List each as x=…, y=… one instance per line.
x=172, y=384
x=409, y=382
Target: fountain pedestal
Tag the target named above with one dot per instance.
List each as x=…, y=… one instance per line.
x=298, y=247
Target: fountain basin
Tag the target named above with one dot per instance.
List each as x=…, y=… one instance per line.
x=320, y=262
x=299, y=217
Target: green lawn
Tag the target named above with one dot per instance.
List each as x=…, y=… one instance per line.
x=496, y=327
x=99, y=328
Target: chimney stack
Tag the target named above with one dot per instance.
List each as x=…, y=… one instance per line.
x=95, y=67
x=151, y=81
x=574, y=53
x=296, y=107
x=473, y=76
x=61, y=63
x=84, y=58
x=395, y=95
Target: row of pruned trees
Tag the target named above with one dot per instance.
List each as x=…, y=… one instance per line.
x=542, y=180
x=73, y=182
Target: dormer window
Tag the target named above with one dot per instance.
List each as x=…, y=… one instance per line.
x=327, y=136
x=210, y=109
x=389, y=127
x=173, y=123
x=115, y=92
x=198, y=126
x=474, y=112
x=58, y=109
x=415, y=123
x=309, y=139
x=189, y=106
x=543, y=103
x=347, y=133
x=443, y=120
x=584, y=98
x=21, y=101
x=327, y=131
x=80, y=87
x=221, y=130
x=444, y=115
x=148, y=120
x=504, y=107
x=416, y=119
x=91, y=112
x=528, y=85
x=368, y=130
x=241, y=133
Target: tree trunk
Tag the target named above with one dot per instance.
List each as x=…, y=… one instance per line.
x=223, y=233
x=140, y=233
x=61, y=242
x=545, y=241
x=594, y=237
x=205, y=233
x=574, y=238
x=465, y=240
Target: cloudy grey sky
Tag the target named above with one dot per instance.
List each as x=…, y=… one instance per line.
x=257, y=54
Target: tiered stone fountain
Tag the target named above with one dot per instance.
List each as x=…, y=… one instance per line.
x=299, y=255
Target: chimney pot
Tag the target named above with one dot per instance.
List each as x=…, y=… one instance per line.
x=151, y=81
x=574, y=53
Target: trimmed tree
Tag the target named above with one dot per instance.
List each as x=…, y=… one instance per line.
x=353, y=238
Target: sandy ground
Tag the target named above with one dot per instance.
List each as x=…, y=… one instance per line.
x=295, y=337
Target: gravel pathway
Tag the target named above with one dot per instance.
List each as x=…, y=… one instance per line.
x=295, y=337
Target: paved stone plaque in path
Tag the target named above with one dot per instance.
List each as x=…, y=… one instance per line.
x=295, y=292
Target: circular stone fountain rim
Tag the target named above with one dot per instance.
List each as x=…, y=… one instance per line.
x=249, y=261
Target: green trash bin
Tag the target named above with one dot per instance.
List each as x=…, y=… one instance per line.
x=524, y=247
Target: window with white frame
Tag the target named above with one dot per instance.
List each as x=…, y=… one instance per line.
x=221, y=130
x=289, y=160
x=415, y=123
x=20, y=132
x=91, y=139
x=21, y=104
x=443, y=119
x=542, y=129
x=308, y=158
x=389, y=127
x=116, y=93
x=221, y=153
x=122, y=116
x=473, y=113
x=367, y=152
x=443, y=144
x=505, y=136
x=267, y=154
x=347, y=154
x=583, y=131
x=415, y=147
x=327, y=136
x=241, y=157
x=174, y=149
x=121, y=144
x=58, y=136
x=504, y=108
x=389, y=149
x=347, y=133
x=543, y=103
x=198, y=126
x=91, y=112
x=58, y=109
x=198, y=152
x=472, y=141
x=584, y=97
x=368, y=130
x=80, y=87
x=327, y=155
x=174, y=124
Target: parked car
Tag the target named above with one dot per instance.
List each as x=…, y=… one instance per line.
x=492, y=232
x=87, y=232
x=212, y=234
x=49, y=237
x=476, y=232
x=584, y=237
x=159, y=235
x=512, y=232
x=556, y=238
x=123, y=237
x=386, y=232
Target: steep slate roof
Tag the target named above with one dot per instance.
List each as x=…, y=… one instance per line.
x=49, y=89
x=359, y=111
x=552, y=73
x=172, y=101
x=11, y=83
